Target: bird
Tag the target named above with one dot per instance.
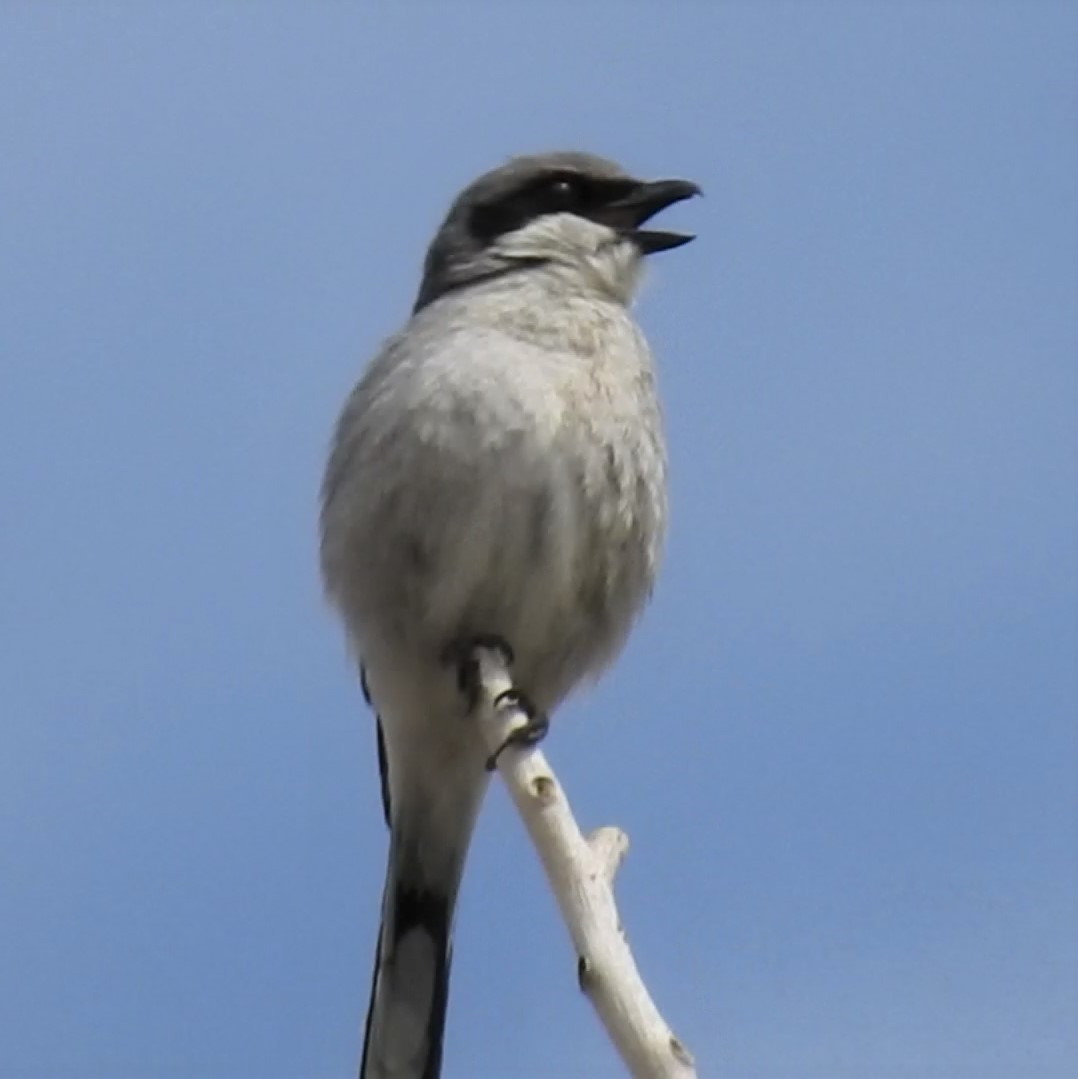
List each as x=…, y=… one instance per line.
x=497, y=475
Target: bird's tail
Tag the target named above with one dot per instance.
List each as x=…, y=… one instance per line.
x=410, y=988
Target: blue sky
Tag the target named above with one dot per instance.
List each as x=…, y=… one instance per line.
x=843, y=739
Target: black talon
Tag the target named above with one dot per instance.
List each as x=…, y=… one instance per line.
x=516, y=699
x=468, y=680
x=461, y=654
x=527, y=734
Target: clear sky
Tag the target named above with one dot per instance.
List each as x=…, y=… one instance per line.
x=844, y=739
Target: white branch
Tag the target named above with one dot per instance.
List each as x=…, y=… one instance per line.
x=581, y=872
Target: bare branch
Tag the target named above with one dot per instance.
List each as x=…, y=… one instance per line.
x=581, y=872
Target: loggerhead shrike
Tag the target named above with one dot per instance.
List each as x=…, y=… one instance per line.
x=498, y=474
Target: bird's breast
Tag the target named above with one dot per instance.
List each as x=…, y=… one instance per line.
x=500, y=484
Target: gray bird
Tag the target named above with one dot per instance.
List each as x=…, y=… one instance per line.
x=498, y=474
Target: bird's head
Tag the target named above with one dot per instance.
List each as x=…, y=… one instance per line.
x=574, y=212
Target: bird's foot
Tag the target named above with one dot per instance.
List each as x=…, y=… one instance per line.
x=529, y=733
x=461, y=655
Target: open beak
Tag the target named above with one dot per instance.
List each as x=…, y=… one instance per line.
x=647, y=199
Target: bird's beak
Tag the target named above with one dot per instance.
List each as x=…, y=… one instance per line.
x=641, y=204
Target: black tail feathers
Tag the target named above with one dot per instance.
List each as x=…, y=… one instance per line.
x=410, y=988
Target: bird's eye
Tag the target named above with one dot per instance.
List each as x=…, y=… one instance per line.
x=564, y=194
